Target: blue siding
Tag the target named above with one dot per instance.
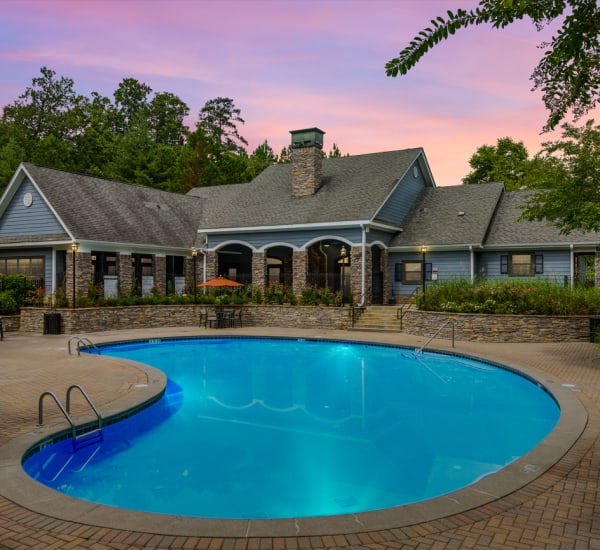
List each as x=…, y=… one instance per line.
x=448, y=265
x=36, y=219
x=403, y=197
x=557, y=265
x=382, y=236
x=46, y=253
x=292, y=238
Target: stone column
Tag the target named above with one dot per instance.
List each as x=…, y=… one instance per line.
x=82, y=262
x=211, y=264
x=300, y=270
x=125, y=274
x=159, y=265
x=259, y=268
x=356, y=262
x=385, y=267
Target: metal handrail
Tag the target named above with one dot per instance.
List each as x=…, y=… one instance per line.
x=82, y=340
x=66, y=411
x=420, y=350
x=87, y=398
x=400, y=311
x=60, y=406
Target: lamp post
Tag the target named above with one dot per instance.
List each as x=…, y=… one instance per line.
x=423, y=251
x=194, y=256
x=343, y=253
x=74, y=248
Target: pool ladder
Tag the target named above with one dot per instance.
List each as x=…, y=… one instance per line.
x=96, y=427
x=82, y=340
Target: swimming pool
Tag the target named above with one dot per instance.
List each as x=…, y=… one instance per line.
x=299, y=428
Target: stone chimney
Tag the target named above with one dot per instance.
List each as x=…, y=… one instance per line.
x=307, y=147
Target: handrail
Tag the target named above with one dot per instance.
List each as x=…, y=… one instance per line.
x=66, y=411
x=355, y=316
x=87, y=398
x=82, y=339
x=400, y=311
x=420, y=350
x=60, y=406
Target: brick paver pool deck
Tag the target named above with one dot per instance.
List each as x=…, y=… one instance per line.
x=559, y=509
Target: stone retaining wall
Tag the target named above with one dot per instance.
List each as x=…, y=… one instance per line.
x=498, y=328
x=485, y=328
x=115, y=318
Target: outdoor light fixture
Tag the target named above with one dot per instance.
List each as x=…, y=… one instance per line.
x=343, y=253
x=194, y=256
x=423, y=251
x=74, y=248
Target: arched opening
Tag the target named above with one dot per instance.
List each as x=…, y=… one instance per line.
x=329, y=266
x=280, y=266
x=234, y=261
x=376, y=275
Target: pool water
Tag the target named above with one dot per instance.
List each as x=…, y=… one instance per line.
x=275, y=428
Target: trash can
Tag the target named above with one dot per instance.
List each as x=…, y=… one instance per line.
x=51, y=323
x=594, y=329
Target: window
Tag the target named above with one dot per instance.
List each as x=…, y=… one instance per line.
x=521, y=265
x=32, y=267
x=411, y=273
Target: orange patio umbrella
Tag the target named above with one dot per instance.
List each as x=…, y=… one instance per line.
x=220, y=282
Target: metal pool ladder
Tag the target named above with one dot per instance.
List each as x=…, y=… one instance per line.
x=95, y=429
x=82, y=340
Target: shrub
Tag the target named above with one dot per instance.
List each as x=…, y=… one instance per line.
x=8, y=304
x=518, y=296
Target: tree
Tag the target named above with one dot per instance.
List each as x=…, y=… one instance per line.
x=569, y=72
x=506, y=162
x=573, y=201
x=262, y=157
x=218, y=120
x=50, y=107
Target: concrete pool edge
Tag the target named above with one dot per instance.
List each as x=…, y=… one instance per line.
x=18, y=487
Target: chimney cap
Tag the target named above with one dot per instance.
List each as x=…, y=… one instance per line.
x=308, y=137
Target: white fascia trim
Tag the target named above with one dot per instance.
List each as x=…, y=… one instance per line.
x=302, y=227
x=64, y=226
x=35, y=244
x=434, y=247
x=549, y=246
x=132, y=248
x=293, y=227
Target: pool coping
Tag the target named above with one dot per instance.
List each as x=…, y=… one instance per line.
x=17, y=486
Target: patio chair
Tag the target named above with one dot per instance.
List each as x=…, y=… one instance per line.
x=236, y=317
x=211, y=318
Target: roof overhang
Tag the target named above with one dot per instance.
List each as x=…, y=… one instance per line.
x=301, y=227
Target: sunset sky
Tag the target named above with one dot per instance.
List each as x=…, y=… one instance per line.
x=295, y=64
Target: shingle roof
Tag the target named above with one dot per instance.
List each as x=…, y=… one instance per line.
x=506, y=229
x=102, y=210
x=446, y=216
x=354, y=188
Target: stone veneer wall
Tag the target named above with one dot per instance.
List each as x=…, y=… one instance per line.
x=498, y=328
x=132, y=317
x=306, y=170
x=484, y=328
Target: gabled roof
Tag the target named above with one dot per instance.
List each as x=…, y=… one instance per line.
x=506, y=228
x=450, y=216
x=354, y=188
x=96, y=209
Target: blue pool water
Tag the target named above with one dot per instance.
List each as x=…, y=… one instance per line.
x=271, y=428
